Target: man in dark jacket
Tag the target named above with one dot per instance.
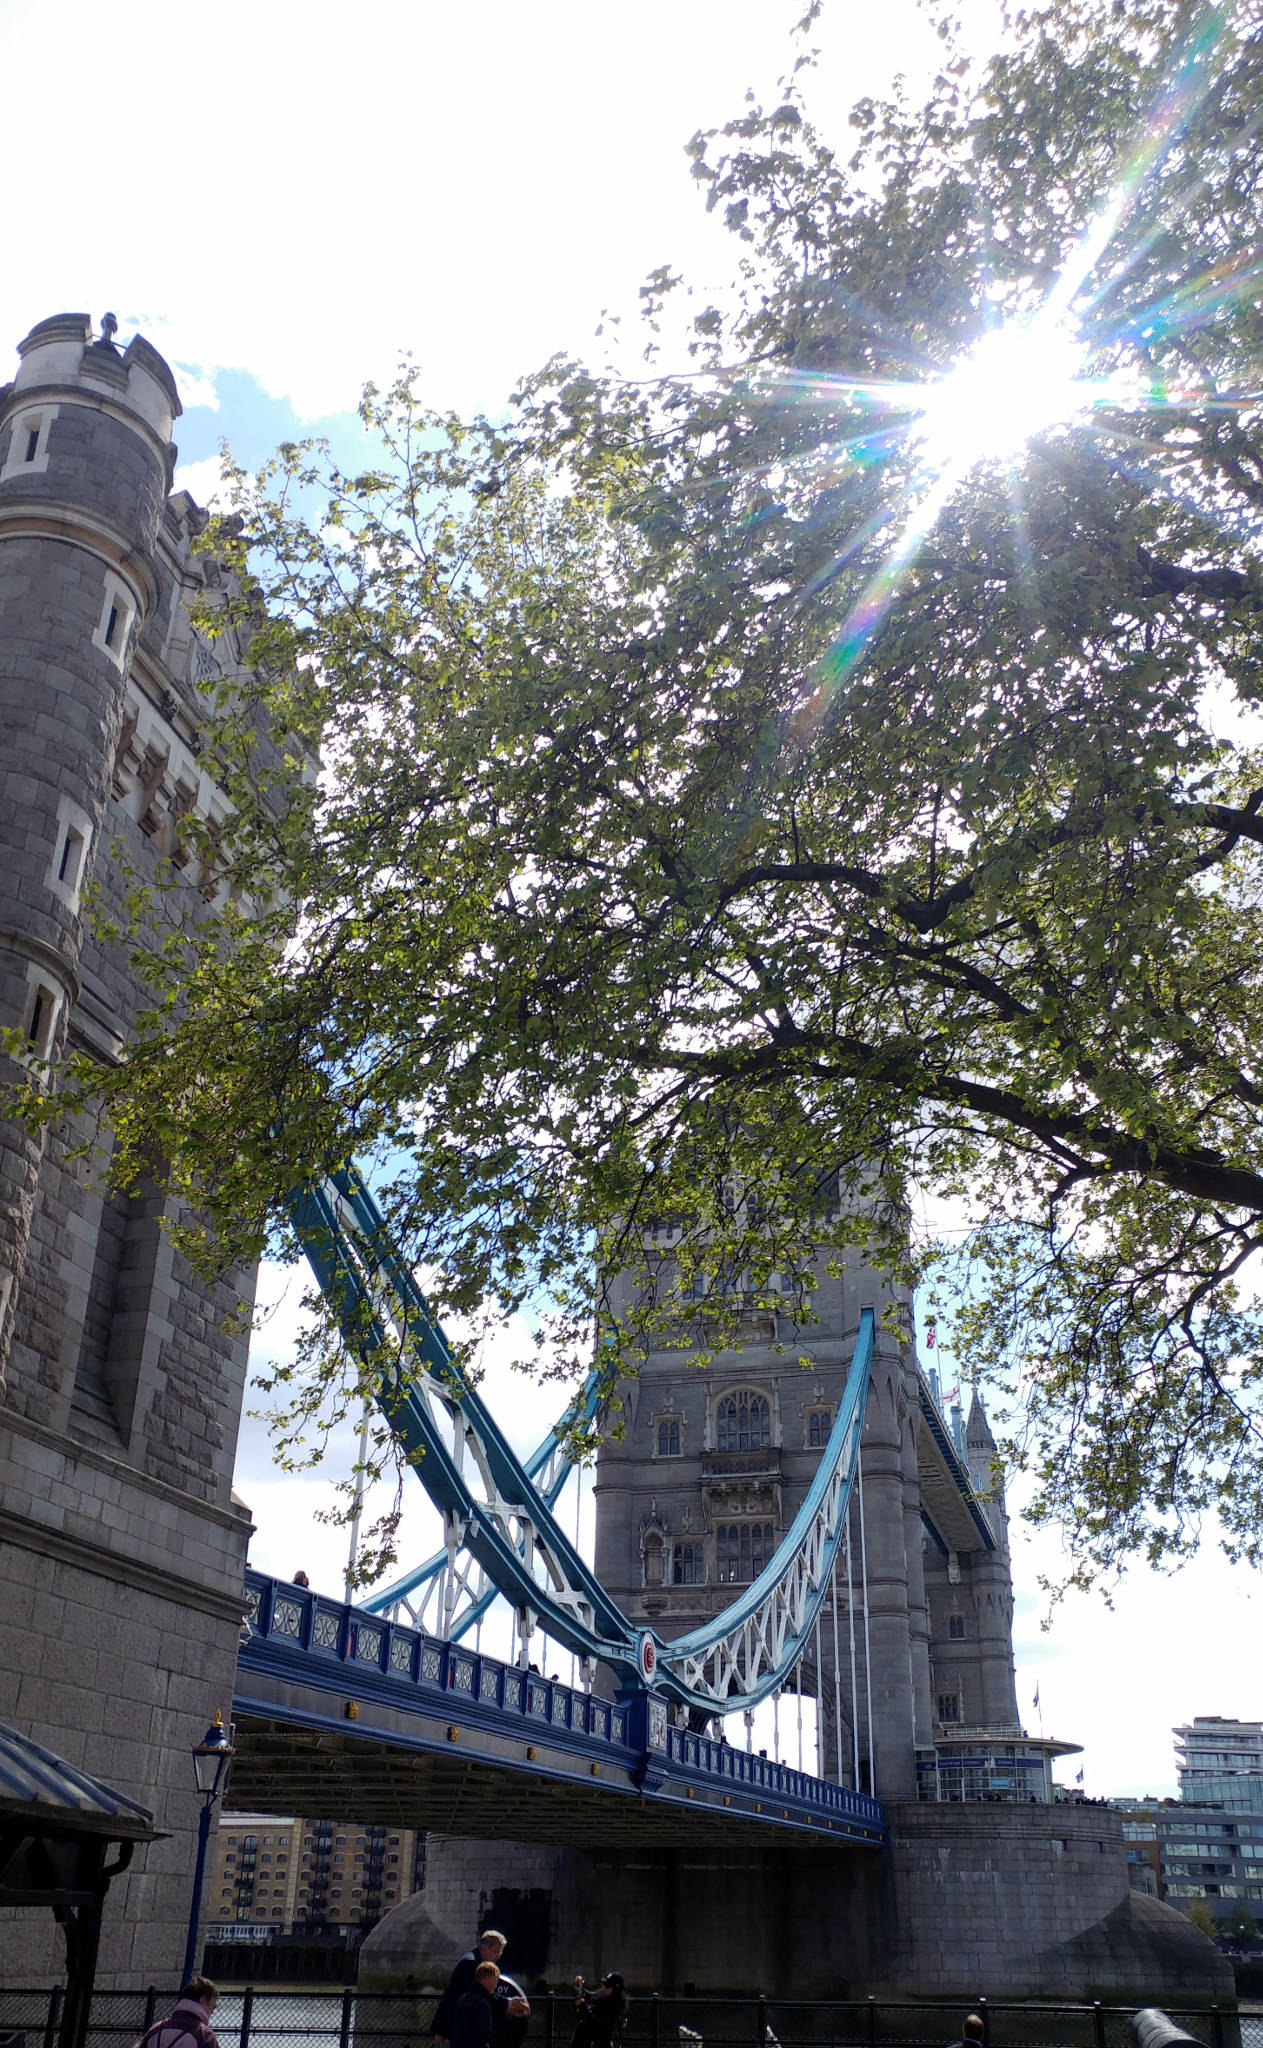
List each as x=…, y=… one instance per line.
x=475, y=2020
x=488, y=1948
x=512, y=2009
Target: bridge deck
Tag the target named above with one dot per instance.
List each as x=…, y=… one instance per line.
x=338, y=1711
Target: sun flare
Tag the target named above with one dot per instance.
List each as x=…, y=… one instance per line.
x=1019, y=381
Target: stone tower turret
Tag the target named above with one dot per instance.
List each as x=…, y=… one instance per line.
x=85, y=466
x=971, y=1602
x=712, y=1468
x=992, y=1574
x=121, y=1545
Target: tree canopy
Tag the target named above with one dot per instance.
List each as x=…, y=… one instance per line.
x=734, y=807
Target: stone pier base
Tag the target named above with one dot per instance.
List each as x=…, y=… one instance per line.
x=1006, y=1901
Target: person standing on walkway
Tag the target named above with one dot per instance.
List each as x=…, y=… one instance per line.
x=602, y=2014
x=513, y=2007
x=488, y=1948
x=972, y=2034
x=474, y=2023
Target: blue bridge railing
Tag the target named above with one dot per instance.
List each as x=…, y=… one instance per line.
x=298, y=1634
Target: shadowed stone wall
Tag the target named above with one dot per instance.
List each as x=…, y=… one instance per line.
x=1002, y=1901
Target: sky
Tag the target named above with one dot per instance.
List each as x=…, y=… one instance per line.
x=290, y=199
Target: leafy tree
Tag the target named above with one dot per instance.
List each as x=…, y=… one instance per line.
x=1239, y=1924
x=1203, y=1919
x=730, y=814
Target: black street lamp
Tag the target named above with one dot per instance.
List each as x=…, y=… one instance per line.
x=211, y=1759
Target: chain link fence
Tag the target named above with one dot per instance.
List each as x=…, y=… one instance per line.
x=264, y=2017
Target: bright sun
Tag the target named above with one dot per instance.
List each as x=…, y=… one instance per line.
x=1019, y=380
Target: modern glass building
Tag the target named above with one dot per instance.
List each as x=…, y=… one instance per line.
x=1220, y=1763
x=1208, y=1844
x=1195, y=1853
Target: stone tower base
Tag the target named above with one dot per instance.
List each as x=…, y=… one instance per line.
x=1006, y=1901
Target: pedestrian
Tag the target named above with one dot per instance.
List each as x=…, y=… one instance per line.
x=300, y=1579
x=474, y=2022
x=512, y=2006
x=602, y=2014
x=972, y=2034
x=187, y=2025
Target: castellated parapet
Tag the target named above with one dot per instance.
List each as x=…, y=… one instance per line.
x=121, y=1546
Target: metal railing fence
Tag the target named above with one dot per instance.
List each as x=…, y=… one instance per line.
x=268, y=2017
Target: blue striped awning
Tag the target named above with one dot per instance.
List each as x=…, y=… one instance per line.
x=37, y=1786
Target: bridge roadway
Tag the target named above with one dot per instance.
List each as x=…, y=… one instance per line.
x=340, y=1712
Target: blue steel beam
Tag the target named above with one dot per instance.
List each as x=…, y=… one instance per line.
x=378, y=1305
x=548, y=1470
x=956, y=1468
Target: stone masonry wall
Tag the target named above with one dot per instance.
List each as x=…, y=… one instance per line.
x=1028, y=1902
x=118, y=1639
x=968, y=1901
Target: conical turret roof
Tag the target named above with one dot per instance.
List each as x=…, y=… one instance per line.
x=978, y=1430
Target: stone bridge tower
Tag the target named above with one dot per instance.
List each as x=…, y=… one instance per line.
x=713, y=1466
x=121, y=1547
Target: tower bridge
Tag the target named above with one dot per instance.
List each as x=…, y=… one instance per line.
x=763, y=1532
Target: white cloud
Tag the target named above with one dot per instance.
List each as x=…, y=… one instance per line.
x=196, y=388
x=1117, y=1678
x=203, y=481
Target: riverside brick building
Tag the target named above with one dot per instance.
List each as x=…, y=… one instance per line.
x=269, y=1874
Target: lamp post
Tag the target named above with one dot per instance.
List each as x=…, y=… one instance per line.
x=211, y=1759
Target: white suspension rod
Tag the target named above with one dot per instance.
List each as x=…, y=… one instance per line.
x=855, y=1696
x=819, y=1706
x=868, y=1647
x=353, y=1553
x=837, y=1684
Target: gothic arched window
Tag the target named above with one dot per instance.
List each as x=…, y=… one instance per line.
x=819, y=1425
x=669, y=1438
x=741, y=1551
x=687, y=1565
x=744, y=1423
